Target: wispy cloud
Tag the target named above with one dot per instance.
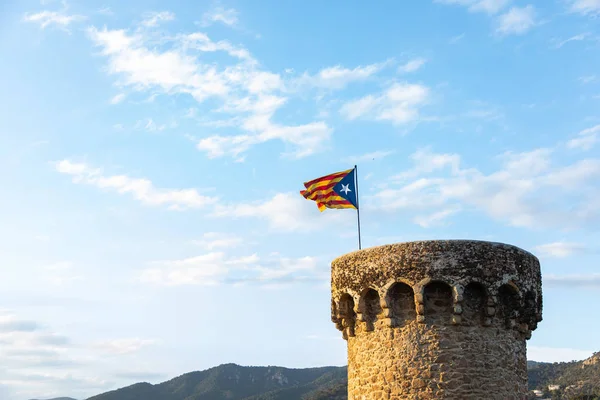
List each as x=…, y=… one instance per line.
x=576, y=38
x=436, y=218
x=581, y=280
x=207, y=269
x=227, y=16
x=38, y=360
x=251, y=94
x=399, y=104
x=517, y=21
x=426, y=161
x=9, y=323
x=124, y=345
x=517, y=193
x=153, y=19
x=372, y=156
x=585, y=7
x=117, y=98
x=61, y=273
x=560, y=249
x=105, y=11
x=284, y=212
x=586, y=139
x=457, y=38
x=486, y=6
x=201, y=41
x=150, y=125
x=141, y=189
x=57, y=18
x=412, y=65
x=216, y=240
x=588, y=79
x=338, y=77
x=217, y=268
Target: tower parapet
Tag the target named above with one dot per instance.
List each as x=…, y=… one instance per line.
x=437, y=319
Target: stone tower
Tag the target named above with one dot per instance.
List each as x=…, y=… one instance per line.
x=437, y=319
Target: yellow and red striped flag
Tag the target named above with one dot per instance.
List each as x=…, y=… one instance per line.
x=337, y=190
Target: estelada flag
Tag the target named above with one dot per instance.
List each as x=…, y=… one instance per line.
x=337, y=190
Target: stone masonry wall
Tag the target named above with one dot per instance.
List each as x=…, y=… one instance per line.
x=418, y=362
x=437, y=319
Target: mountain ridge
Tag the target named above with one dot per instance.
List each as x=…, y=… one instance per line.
x=568, y=380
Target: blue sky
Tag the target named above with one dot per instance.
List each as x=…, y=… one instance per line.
x=152, y=155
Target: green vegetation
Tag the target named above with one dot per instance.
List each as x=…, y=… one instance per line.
x=233, y=382
x=577, y=380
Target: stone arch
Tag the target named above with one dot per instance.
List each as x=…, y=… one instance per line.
x=508, y=304
x=400, y=299
x=474, y=303
x=335, y=316
x=369, y=306
x=347, y=314
x=439, y=303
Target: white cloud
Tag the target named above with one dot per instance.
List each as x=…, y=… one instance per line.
x=285, y=212
x=576, y=38
x=434, y=219
x=287, y=267
x=60, y=273
x=218, y=268
x=585, y=7
x=375, y=155
x=560, y=249
x=47, y=18
x=244, y=90
x=586, y=139
x=219, y=14
x=305, y=139
x=38, y=362
x=9, y=323
x=426, y=161
x=170, y=70
x=591, y=281
x=207, y=269
x=553, y=354
x=399, y=104
x=216, y=240
x=412, y=65
x=486, y=6
x=150, y=125
x=457, y=38
x=588, y=79
x=105, y=11
x=528, y=191
x=117, y=98
x=338, y=77
x=124, y=346
x=141, y=189
x=489, y=6
x=153, y=19
x=201, y=41
x=517, y=21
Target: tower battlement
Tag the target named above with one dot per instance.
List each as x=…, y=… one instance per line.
x=444, y=319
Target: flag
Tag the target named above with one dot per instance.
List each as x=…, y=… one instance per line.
x=337, y=190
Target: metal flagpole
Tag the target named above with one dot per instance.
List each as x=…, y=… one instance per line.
x=357, y=207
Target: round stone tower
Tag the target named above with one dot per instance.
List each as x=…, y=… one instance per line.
x=437, y=319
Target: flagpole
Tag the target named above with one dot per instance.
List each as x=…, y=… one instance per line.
x=357, y=206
